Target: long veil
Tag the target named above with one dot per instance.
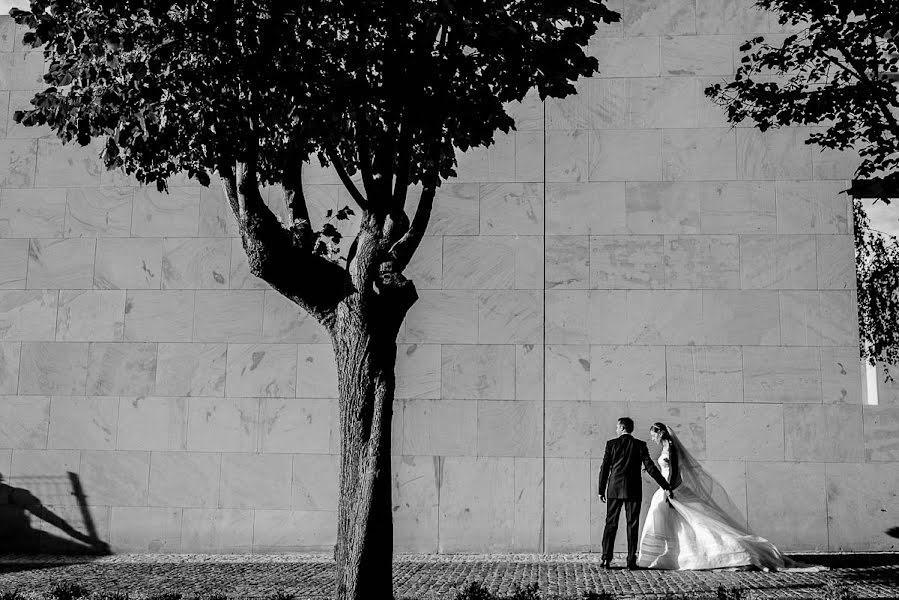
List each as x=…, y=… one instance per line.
x=707, y=489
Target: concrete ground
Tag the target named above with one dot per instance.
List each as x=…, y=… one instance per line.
x=311, y=576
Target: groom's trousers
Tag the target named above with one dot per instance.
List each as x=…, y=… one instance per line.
x=632, y=515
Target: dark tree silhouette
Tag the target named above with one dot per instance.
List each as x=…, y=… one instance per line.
x=839, y=70
x=384, y=91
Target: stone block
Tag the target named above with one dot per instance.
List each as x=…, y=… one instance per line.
x=731, y=476
x=828, y=433
x=145, y=529
x=607, y=106
x=566, y=156
x=479, y=371
x=760, y=428
x=115, y=477
x=67, y=264
x=704, y=373
x=21, y=70
x=698, y=154
x=861, y=506
x=500, y=161
x=654, y=17
x=529, y=156
x=529, y=252
x=626, y=262
x=66, y=165
x=830, y=163
x=629, y=155
x=568, y=372
x=90, y=315
x=529, y=382
x=24, y=422
x=472, y=165
x=528, y=112
x=418, y=371
x=687, y=421
x=196, y=263
x=152, y=424
x=25, y=464
x=456, y=210
x=415, y=503
x=13, y=263
x=314, y=484
x=778, y=262
x=569, y=113
x=128, y=263
x=54, y=540
x=510, y=428
x=841, y=376
x=782, y=375
x=294, y=531
x=881, y=433
x=29, y=213
x=580, y=429
x=316, y=371
x=57, y=368
x=285, y=322
x=657, y=207
x=511, y=209
x=510, y=316
x=159, y=315
x=190, y=369
x=296, y=426
x=215, y=216
x=527, y=534
x=121, y=369
x=626, y=57
x=477, y=510
x=627, y=373
x=17, y=163
x=607, y=317
x=887, y=391
x=750, y=317
x=28, y=315
x=233, y=316
x=729, y=16
x=258, y=481
x=585, y=208
x=439, y=427
x=654, y=103
x=212, y=531
x=98, y=212
x=185, y=479
x=426, y=267
x=812, y=318
x=241, y=278
x=10, y=355
x=696, y=55
x=443, y=317
x=223, y=425
x=662, y=317
x=172, y=214
x=568, y=492
x=83, y=423
x=787, y=504
x=702, y=261
x=261, y=370
x=836, y=262
x=482, y=262
x=737, y=207
x=773, y=154
x=812, y=207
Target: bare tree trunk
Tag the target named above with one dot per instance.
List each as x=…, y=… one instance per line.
x=365, y=352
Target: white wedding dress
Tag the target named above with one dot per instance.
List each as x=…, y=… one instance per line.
x=700, y=528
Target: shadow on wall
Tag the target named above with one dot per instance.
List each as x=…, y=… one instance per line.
x=20, y=534
x=893, y=532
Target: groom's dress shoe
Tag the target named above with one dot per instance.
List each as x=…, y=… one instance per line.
x=604, y=564
x=632, y=567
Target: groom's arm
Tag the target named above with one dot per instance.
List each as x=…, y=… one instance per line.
x=652, y=469
x=604, y=469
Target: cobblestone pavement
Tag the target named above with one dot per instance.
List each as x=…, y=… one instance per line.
x=311, y=576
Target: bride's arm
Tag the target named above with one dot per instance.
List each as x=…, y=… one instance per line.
x=674, y=465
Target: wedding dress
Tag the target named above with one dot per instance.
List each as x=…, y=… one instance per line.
x=700, y=527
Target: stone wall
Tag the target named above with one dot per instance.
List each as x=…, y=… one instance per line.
x=623, y=252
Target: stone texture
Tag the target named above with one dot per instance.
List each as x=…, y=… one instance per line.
x=190, y=369
x=314, y=483
x=10, y=353
x=627, y=373
x=66, y=165
x=704, y=373
x=116, y=478
x=702, y=261
x=634, y=155
x=568, y=492
x=778, y=262
x=737, y=207
x=568, y=372
x=529, y=380
x=787, y=502
x=28, y=315
x=812, y=318
x=478, y=371
x=216, y=530
x=145, y=529
x=294, y=531
x=439, y=427
x=567, y=262
x=626, y=57
x=159, y=315
x=261, y=370
x=749, y=317
x=774, y=154
x=841, y=376
x=223, y=425
x=90, y=315
x=228, y=316
x=17, y=162
x=13, y=263
x=781, y=375
x=57, y=368
x=258, y=481
x=626, y=262
x=696, y=55
x=32, y=213
x=296, y=425
x=654, y=103
x=67, y=263
x=152, y=423
x=418, y=369
x=566, y=155
x=836, y=262
x=656, y=317
x=158, y=214
x=662, y=207
x=442, y=317
x=285, y=322
x=415, y=503
x=830, y=433
x=24, y=422
x=98, y=212
x=184, y=479
x=510, y=317
x=698, y=154
x=316, y=371
x=83, y=423
x=509, y=428
x=476, y=504
x=861, y=500
x=760, y=427
x=812, y=207
x=881, y=433
x=121, y=369
x=196, y=263
x=128, y=263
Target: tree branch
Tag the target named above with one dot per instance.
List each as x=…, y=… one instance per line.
x=859, y=71
x=345, y=178
x=402, y=251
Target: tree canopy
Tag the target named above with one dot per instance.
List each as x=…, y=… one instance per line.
x=837, y=71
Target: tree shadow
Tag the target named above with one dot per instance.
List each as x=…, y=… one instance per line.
x=25, y=520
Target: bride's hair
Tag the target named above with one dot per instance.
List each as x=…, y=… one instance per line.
x=662, y=430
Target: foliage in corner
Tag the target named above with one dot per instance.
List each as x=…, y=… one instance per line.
x=837, y=71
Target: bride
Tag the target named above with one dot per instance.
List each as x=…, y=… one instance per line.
x=698, y=526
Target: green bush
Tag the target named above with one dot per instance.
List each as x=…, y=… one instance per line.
x=67, y=591
x=474, y=591
x=834, y=590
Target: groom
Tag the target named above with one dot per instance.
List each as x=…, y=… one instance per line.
x=621, y=472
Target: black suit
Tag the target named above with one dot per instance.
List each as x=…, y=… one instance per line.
x=620, y=472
